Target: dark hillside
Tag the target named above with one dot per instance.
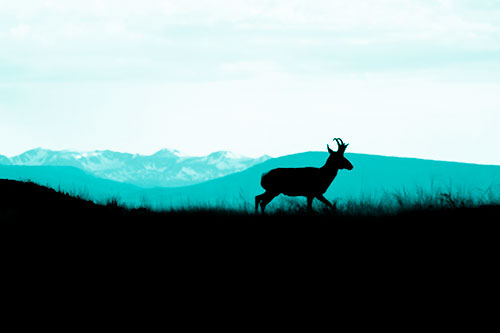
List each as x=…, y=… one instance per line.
x=29, y=204
x=216, y=244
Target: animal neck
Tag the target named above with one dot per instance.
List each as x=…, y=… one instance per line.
x=329, y=172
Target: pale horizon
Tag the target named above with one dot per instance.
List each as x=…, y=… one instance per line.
x=269, y=77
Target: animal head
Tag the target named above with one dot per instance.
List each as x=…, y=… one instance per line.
x=336, y=159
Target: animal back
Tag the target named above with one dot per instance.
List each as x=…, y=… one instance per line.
x=294, y=181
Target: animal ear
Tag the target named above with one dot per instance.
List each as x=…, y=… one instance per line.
x=329, y=150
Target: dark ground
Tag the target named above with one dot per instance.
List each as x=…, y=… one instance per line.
x=28, y=209
x=328, y=265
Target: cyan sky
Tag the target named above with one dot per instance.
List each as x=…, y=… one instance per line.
x=393, y=77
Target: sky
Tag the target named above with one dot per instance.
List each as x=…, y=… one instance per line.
x=412, y=78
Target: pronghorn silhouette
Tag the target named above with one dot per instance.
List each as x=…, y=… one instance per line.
x=308, y=182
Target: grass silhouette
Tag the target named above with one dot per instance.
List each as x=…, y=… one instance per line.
x=29, y=202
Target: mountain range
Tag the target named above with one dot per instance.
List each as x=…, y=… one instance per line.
x=165, y=168
x=374, y=178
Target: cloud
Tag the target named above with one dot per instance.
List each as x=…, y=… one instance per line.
x=172, y=72
x=20, y=31
x=200, y=40
x=390, y=15
x=250, y=69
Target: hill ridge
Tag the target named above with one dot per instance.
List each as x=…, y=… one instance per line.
x=372, y=176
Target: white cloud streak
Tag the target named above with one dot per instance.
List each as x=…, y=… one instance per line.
x=392, y=18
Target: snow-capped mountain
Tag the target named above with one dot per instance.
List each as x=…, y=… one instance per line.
x=166, y=167
x=4, y=160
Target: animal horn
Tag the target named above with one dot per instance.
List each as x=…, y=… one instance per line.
x=341, y=144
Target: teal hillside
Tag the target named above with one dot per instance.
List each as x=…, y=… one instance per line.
x=373, y=178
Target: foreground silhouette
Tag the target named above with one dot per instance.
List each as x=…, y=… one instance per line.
x=308, y=182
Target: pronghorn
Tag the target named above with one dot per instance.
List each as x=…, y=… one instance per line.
x=308, y=182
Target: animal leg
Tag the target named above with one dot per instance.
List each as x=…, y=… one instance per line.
x=266, y=198
x=326, y=202
x=258, y=199
x=309, y=203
